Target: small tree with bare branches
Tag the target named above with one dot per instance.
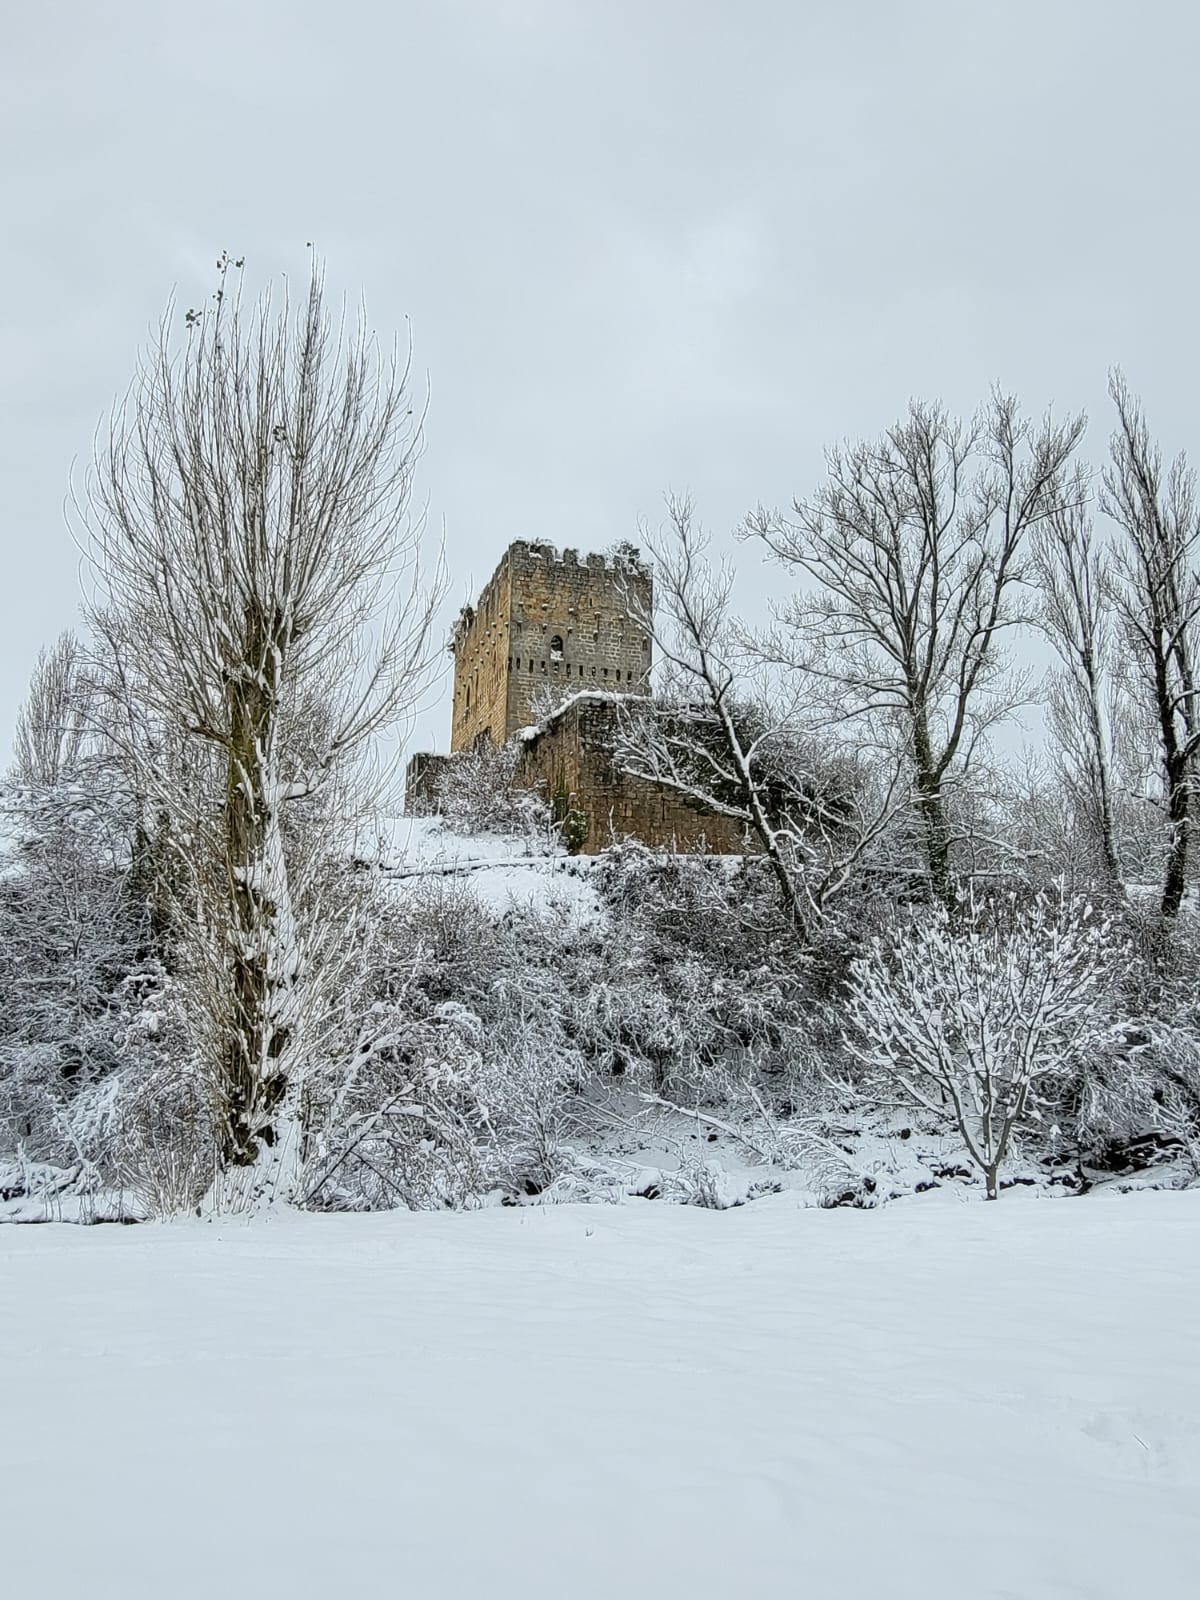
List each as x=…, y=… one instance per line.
x=976, y=1017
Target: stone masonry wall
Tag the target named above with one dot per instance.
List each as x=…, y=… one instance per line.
x=480, y=650
x=422, y=774
x=569, y=764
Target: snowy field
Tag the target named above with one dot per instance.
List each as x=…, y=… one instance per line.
x=937, y=1398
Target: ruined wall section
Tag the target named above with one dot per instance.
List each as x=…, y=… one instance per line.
x=569, y=763
x=571, y=626
x=422, y=774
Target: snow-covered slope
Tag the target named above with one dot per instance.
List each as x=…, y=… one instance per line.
x=937, y=1398
x=500, y=869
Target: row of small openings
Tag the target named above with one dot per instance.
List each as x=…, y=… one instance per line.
x=534, y=665
x=556, y=642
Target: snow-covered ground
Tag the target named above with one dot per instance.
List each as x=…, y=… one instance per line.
x=500, y=870
x=936, y=1398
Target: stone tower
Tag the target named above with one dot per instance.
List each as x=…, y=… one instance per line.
x=553, y=621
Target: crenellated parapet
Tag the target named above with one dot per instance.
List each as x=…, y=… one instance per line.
x=621, y=559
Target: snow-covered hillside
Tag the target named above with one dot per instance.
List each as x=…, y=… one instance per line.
x=501, y=870
x=936, y=1398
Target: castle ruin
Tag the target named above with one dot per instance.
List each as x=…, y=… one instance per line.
x=547, y=651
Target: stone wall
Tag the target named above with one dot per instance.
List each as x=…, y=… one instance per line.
x=480, y=650
x=548, y=621
x=568, y=762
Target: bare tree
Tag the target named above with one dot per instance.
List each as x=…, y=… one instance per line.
x=53, y=723
x=736, y=746
x=71, y=926
x=915, y=544
x=1076, y=616
x=1156, y=591
x=258, y=581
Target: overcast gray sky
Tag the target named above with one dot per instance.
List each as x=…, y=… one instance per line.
x=642, y=245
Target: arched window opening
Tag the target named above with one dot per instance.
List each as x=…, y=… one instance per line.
x=556, y=648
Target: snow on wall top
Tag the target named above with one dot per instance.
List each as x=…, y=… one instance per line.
x=601, y=696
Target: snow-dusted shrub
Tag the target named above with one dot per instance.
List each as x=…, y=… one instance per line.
x=71, y=932
x=437, y=1111
x=527, y=1088
x=398, y=1126
x=724, y=981
x=439, y=942
x=159, y=1142
x=1140, y=1097
x=1136, y=1100
x=145, y=1127
x=982, y=1015
x=459, y=1077
x=475, y=793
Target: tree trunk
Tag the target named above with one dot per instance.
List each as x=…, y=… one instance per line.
x=761, y=824
x=1179, y=814
x=1105, y=822
x=257, y=1031
x=932, y=810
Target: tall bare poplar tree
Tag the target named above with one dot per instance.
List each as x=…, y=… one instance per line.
x=1076, y=616
x=259, y=583
x=1155, y=587
x=52, y=725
